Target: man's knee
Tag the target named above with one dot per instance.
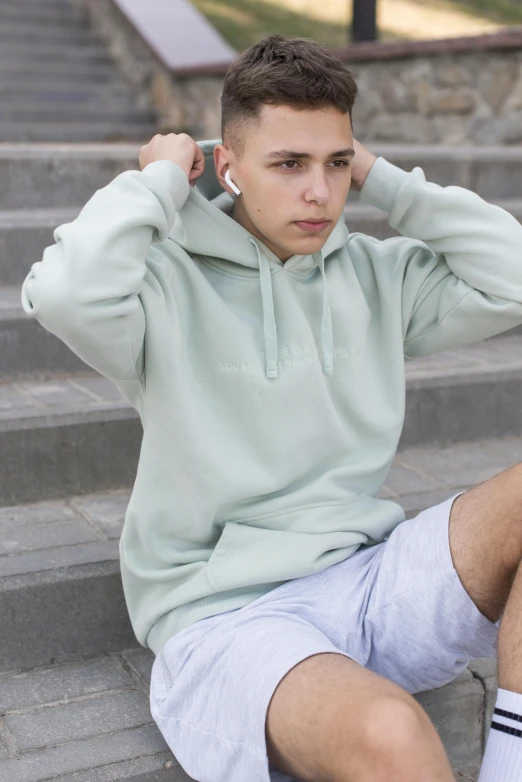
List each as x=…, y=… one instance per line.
x=397, y=740
x=391, y=725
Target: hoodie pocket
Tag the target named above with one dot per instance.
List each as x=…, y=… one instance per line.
x=248, y=555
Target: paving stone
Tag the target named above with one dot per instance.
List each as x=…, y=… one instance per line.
x=62, y=557
x=61, y=682
x=26, y=538
x=83, y=719
x=485, y=669
x=465, y=463
x=79, y=719
x=415, y=503
x=38, y=512
x=98, y=751
x=402, y=479
x=468, y=775
x=11, y=398
x=63, y=392
x=98, y=386
x=500, y=353
x=105, y=510
x=142, y=661
x=457, y=711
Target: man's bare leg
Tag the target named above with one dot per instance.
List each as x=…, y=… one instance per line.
x=332, y=720
x=485, y=529
x=509, y=646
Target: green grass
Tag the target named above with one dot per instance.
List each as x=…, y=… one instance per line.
x=242, y=22
x=504, y=12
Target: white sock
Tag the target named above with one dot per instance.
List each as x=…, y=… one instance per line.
x=502, y=761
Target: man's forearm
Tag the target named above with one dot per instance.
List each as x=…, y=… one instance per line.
x=362, y=162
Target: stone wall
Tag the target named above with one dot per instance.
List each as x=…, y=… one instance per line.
x=456, y=91
x=452, y=91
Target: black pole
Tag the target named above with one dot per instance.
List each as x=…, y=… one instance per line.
x=364, y=20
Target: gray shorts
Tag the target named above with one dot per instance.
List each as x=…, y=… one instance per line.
x=398, y=608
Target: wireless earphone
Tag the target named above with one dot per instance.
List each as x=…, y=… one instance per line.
x=234, y=187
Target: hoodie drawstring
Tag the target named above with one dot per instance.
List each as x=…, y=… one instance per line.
x=326, y=324
x=269, y=324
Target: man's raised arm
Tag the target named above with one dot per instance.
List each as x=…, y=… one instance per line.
x=85, y=290
x=461, y=265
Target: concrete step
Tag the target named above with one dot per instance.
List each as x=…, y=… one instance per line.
x=58, y=175
x=60, y=580
x=14, y=83
x=24, y=30
x=494, y=172
x=27, y=6
x=26, y=347
x=76, y=433
x=69, y=434
x=53, y=113
x=363, y=218
x=57, y=14
x=68, y=96
x=24, y=234
x=25, y=81
x=62, y=133
x=60, y=68
x=41, y=52
x=87, y=719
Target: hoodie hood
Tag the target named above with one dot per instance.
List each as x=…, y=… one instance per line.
x=204, y=226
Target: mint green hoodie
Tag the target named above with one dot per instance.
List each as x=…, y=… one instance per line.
x=272, y=395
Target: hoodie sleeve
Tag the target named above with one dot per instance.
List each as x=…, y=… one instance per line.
x=461, y=266
x=86, y=288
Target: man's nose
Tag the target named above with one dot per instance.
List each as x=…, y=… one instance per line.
x=318, y=189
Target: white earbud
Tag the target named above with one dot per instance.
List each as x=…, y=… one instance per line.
x=234, y=187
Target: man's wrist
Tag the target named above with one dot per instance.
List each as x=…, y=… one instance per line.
x=382, y=184
x=362, y=169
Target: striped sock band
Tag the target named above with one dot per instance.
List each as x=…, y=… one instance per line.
x=502, y=760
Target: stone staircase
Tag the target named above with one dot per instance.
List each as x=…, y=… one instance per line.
x=57, y=81
x=74, y=682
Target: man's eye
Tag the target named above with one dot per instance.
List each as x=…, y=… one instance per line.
x=343, y=163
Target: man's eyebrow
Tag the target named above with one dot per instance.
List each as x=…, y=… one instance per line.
x=283, y=154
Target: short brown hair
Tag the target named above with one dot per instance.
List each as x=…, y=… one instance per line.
x=281, y=70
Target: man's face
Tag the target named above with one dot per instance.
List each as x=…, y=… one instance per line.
x=278, y=189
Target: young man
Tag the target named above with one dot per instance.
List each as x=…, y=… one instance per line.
x=292, y=612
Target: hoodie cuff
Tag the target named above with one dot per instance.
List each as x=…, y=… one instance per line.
x=173, y=177
x=382, y=184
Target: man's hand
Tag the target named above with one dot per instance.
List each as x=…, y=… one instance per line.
x=178, y=147
x=362, y=161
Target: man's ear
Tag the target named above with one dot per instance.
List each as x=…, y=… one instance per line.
x=223, y=157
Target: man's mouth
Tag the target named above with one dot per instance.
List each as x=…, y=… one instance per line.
x=312, y=226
